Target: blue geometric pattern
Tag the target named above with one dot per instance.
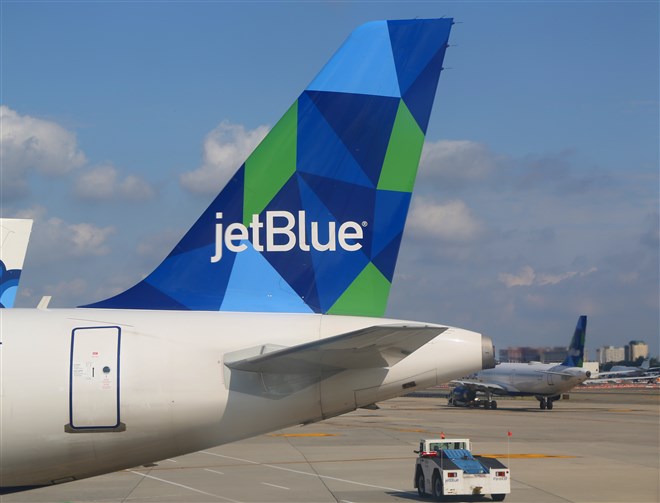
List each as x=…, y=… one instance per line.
x=313, y=220
x=575, y=356
x=8, y=285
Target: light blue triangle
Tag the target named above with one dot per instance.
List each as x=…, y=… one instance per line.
x=363, y=65
x=255, y=286
x=9, y=296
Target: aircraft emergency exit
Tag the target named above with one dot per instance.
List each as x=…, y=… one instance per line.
x=267, y=313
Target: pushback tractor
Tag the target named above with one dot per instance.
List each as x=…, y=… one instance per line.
x=446, y=467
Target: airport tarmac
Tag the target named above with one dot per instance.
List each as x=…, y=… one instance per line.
x=597, y=446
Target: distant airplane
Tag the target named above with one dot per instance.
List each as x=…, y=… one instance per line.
x=14, y=239
x=628, y=371
x=267, y=313
x=545, y=381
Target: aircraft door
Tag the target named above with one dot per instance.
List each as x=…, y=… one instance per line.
x=94, y=380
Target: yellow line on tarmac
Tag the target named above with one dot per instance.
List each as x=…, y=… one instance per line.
x=302, y=435
x=524, y=456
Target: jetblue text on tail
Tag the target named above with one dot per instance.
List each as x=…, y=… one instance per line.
x=289, y=230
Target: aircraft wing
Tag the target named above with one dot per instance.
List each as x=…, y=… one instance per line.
x=484, y=387
x=372, y=347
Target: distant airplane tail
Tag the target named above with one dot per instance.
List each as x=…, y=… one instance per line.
x=313, y=220
x=575, y=357
x=14, y=238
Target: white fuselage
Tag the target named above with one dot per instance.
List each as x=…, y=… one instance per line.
x=542, y=379
x=87, y=391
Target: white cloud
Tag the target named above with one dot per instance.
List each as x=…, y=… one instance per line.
x=225, y=149
x=527, y=276
x=86, y=239
x=553, y=279
x=135, y=189
x=31, y=144
x=53, y=239
x=97, y=183
x=102, y=183
x=35, y=213
x=456, y=160
x=452, y=221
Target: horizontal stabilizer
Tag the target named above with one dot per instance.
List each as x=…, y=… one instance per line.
x=372, y=347
x=554, y=372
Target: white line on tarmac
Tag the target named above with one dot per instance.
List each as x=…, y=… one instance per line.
x=184, y=486
x=273, y=485
x=229, y=457
x=307, y=473
x=214, y=471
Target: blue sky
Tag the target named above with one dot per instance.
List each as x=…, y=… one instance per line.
x=537, y=197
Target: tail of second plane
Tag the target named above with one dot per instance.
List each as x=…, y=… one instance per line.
x=313, y=220
x=14, y=238
x=575, y=356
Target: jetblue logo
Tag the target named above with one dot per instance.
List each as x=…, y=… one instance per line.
x=283, y=231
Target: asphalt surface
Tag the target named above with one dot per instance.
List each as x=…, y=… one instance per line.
x=601, y=446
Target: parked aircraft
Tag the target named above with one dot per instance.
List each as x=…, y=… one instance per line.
x=14, y=239
x=627, y=371
x=621, y=373
x=267, y=313
x=545, y=381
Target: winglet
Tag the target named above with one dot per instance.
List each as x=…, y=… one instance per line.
x=14, y=239
x=575, y=356
x=313, y=220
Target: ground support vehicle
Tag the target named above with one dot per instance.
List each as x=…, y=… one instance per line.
x=462, y=396
x=446, y=467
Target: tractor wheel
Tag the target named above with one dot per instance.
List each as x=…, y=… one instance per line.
x=421, y=485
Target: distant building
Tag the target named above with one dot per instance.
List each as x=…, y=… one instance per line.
x=550, y=355
x=520, y=355
x=636, y=349
x=611, y=354
x=527, y=354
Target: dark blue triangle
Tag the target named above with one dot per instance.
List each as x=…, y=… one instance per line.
x=346, y=202
x=362, y=122
x=390, y=217
x=415, y=43
x=320, y=151
x=420, y=95
x=385, y=261
x=334, y=270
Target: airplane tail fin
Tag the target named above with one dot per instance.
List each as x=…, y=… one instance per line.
x=575, y=356
x=14, y=238
x=646, y=364
x=313, y=220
